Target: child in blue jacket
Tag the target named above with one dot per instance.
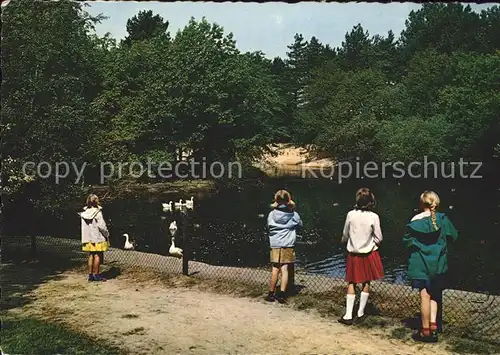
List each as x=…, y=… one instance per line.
x=282, y=223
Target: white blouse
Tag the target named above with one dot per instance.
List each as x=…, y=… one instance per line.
x=362, y=231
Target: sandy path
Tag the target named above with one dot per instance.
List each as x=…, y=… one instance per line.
x=148, y=318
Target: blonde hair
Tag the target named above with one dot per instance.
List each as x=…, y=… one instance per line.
x=430, y=200
x=283, y=197
x=365, y=199
x=92, y=201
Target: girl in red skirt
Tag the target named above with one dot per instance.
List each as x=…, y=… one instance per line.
x=363, y=236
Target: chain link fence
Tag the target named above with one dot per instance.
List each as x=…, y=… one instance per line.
x=465, y=314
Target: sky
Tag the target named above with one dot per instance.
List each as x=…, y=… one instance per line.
x=268, y=27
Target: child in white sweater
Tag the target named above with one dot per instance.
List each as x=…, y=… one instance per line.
x=363, y=235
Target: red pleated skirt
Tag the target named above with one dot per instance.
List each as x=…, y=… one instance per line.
x=361, y=268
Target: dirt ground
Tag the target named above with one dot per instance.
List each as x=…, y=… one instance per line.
x=148, y=317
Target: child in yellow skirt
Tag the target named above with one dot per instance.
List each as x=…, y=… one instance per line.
x=95, y=236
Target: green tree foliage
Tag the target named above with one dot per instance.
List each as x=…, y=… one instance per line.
x=355, y=49
x=303, y=58
x=215, y=87
x=132, y=102
x=281, y=73
x=490, y=28
x=385, y=56
x=446, y=28
x=472, y=104
x=432, y=92
x=428, y=73
x=350, y=107
x=298, y=68
x=69, y=95
x=51, y=75
x=414, y=139
x=145, y=26
x=195, y=92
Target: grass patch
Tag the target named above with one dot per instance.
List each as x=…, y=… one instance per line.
x=469, y=346
x=323, y=303
x=400, y=333
x=31, y=336
x=376, y=322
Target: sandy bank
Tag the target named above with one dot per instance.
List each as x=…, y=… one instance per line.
x=287, y=159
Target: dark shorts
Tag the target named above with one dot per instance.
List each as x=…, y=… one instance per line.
x=434, y=287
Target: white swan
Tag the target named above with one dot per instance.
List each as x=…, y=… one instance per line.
x=190, y=203
x=128, y=245
x=167, y=207
x=178, y=205
x=173, y=228
x=175, y=251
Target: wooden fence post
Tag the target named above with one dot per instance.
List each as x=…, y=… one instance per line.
x=33, y=248
x=439, y=316
x=291, y=279
x=185, y=251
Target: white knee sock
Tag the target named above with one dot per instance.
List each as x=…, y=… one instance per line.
x=349, y=306
x=362, y=303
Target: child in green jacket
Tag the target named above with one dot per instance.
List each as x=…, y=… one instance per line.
x=427, y=239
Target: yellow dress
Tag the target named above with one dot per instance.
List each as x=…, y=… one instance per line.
x=96, y=247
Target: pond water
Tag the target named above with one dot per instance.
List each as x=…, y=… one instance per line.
x=229, y=228
x=231, y=232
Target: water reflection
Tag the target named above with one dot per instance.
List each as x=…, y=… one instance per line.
x=333, y=266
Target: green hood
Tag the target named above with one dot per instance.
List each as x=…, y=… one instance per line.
x=424, y=225
x=428, y=246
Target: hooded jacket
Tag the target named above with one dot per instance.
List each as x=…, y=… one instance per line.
x=94, y=228
x=282, y=226
x=428, y=246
